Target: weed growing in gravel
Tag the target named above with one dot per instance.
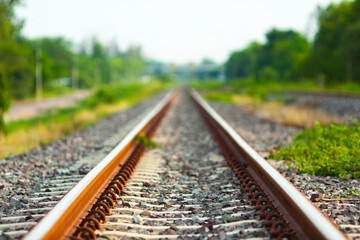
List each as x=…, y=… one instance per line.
x=148, y=143
x=331, y=150
x=353, y=192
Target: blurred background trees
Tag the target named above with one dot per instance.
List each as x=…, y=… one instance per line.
x=286, y=55
x=95, y=63
x=4, y=99
x=332, y=56
x=15, y=56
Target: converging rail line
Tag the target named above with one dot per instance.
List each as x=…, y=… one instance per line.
x=97, y=189
x=153, y=197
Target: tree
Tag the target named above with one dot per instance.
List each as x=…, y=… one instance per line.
x=332, y=39
x=133, y=62
x=16, y=57
x=4, y=99
x=244, y=63
x=282, y=51
x=276, y=59
x=57, y=58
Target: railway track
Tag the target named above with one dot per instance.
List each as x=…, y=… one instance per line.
x=219, y=190
x=16, y=222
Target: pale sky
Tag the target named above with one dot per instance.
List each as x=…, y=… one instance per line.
x=168, y=30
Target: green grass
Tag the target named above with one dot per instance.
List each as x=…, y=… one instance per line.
x=57, y=91
x=260, y=89
x=331, y=150
x=56, y=115
x=220, y=97
x=26, y=134
x=112, y=94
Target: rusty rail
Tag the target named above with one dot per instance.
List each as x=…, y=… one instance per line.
x=87, y=204
x=286, y=211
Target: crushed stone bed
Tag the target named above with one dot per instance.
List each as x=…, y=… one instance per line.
x=184, y=188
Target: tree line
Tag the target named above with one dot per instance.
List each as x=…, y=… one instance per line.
x=333, y=56
x=92, y=64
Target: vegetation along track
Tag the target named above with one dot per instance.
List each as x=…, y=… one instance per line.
x=192, y=194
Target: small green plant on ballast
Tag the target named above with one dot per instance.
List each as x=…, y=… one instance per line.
x=353, y=192
x=148, y=143
x=331, y=150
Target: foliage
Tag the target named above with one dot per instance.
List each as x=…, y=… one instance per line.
x=103, y=65
x=15, y=55
x=102, y=95
x=97, y=64
x=332, y=57
x=8, y=46
x=4, y=99
x=207, y=85
x=244, y=63
x=113, y=93
x=148, y=143
x=336, y=45
x=57, y=58
x=220, y=97
x=262, y=88
x=274, y=60
x=166, y=78
x=325, y=150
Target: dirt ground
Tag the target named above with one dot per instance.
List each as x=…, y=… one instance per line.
x=32, y=108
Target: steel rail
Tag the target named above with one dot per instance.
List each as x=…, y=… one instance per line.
x=62, y=220
x=305, y=219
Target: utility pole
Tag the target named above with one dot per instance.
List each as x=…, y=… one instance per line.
x=75, y=74
x=39, y=80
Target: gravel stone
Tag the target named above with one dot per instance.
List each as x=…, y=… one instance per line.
x=193, y=180
x=137, y=219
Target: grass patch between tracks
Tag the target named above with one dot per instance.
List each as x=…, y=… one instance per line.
x=24, y=135
x=331, y=150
